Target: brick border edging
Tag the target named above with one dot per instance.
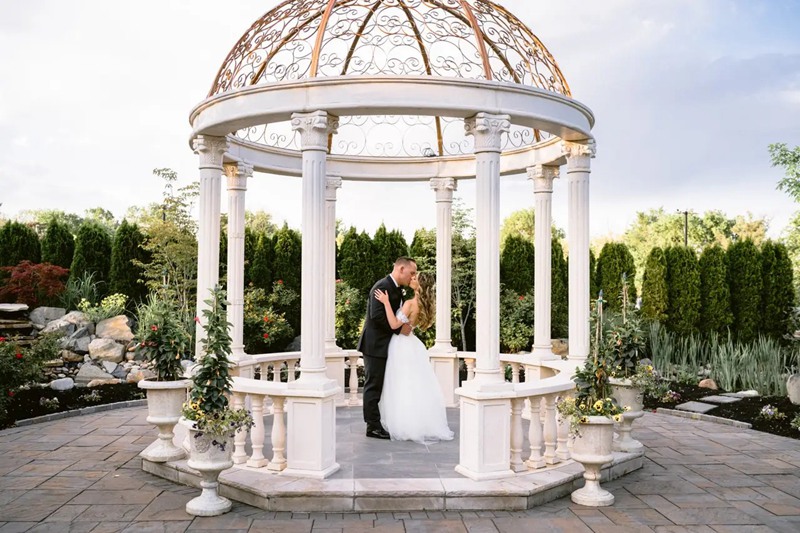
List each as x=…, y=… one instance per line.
x=704, y=417
x=79, y=412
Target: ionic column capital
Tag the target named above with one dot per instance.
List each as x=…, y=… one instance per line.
x=331, y=185
x=578, y=155
x=444, y=188
x=487, y=130
x=237, y=174
x=210, y=149
x=314, y=129
x=542, y=177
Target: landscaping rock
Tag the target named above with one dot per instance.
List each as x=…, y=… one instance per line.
x=79, y=341
x=108, y=366
x=120, y=372
x=98, y=382
x=60, y=326
x=136, y=376
x=42, y=315
x=53, y=363
x=89, y=373
x=116, y=328
x=71, y=357
x=62, y=384
x=13, y=309
x=106, y=350
x=560, y=347
x=708, y=383
x=793, y=388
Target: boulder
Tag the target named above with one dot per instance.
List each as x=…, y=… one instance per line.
x=708, y=383
x=98, y=382
x=108, y=366
x=136, y=376
x=793, y=388
x=89, y=373
x=62, y=384
x=53, y=363
x=106, y=350
x=79, y=341
x=120, y=372
x=71, y=357
x=42, y=315
x=560, y=347
x=116, y=328
x=13, y=310
x=61, y=327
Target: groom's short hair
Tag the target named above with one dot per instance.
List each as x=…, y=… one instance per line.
x=403, y=261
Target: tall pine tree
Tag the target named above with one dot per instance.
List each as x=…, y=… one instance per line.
x=559, y=303
x=286, y=267
x=655, y=299
x=58, y=244
x=18, y=243
x=389, y=245
x=777, y=294
x=683, y=286
x=594, y=285
x=614, y=261
x=745, y=281
x=517, y=265
x=126, y=253
x=715, y=296
x=423, y=249
x=356, y=257
x=92, y=255
x=261, y=273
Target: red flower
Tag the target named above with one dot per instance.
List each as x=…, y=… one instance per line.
x=19, y=355
x=11, y=394
x=154, y=327
x=266, y=319
x=197, y=319
x=521, y=297
x=339, y=280
x=2, y=339
x=266, y=335
x=280, y=282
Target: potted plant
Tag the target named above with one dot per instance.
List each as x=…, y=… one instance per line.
x=591, y=414
x=164, y=341
x=212, y=424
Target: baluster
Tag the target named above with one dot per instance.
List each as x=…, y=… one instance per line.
x=276, y=371
x=562, y=451
x=535, y=436
x=290, y=366
x=353, y=380
x=515, y=372
x=550, y=430
x=240, y=438
x=257, y=459
x=470, y=368
x=517, y=465
x=278, y=461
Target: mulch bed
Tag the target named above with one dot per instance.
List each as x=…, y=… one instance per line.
x=745, y=410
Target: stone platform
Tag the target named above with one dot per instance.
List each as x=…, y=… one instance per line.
x=378, y=476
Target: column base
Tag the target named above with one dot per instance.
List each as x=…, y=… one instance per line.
x=311, y=435
x=485, y=435
x=543, y=353
x=315, y=380
x=442, y=347
x=483, y=476
x=311, y=474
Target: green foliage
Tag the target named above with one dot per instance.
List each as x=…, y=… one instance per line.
x=162, y=337
x=517, y=265
x=355, y=252
x=522, y=224
x=349, y=318
x=126, y=276
x=516, y=321
x=261, y=268
x=594, y=284
x=464, y=280
x=777, y=296
x=33, y=284
x=58, y=244
x=625, y=341
x=389, y=245
x=781, y=156
x=683, y=289
x=287, y=268
x=21, y=365
x=655, y=299
x=715, y=296
x=259, y=222
x=111, y=305
x=18, y=243
x=266, y=329
x=559, y=301
x=423, y=249
x=250, y=245
x=83, y=288
x=92, y=254
x=614, y=261
x=745, y=282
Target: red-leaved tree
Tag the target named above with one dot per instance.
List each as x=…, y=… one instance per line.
x=34, y=284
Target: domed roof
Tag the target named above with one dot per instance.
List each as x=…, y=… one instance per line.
x=473, y=39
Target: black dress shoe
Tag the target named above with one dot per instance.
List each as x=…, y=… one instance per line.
x=379, y=433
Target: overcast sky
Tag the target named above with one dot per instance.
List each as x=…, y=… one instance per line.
x=687, y=95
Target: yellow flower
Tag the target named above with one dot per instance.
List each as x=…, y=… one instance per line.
x=626, y=408
x=617, y=418
x=584, y=419
x=649, y=368
x=598, y=405
x=583, y=406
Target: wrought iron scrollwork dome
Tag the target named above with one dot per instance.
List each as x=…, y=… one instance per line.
x=473, y=39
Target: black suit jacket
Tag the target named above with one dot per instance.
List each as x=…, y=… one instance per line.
x=377, y=332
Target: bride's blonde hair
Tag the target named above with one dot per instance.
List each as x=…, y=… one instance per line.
x=426, y=298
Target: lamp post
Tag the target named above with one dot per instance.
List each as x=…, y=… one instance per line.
x=685, y=227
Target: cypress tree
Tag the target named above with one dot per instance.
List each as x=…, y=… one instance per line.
x=286, y=267
x=261, y=274
x=683, y=290
x=250, y=245
x=559, y=304
x=517, y=265
x=356, y=257
x=423, y=249
x=58, y=244
x=715, y=296
x=223, y=259
x=18, y=243
x=744, y=281
x=614, y=261
x=389, y=245
x=92, y=255
x=124, y=276
x=655, y=299
x=777, y=294
x=594, y=285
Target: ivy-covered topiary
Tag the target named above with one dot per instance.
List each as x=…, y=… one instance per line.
x=683, y=286
x=18, y=243
x=715, y=296
x=655, y=300
x=777, y=294
x=614, y=261
x=58, y=244
x=745, y=281
x=517, y=265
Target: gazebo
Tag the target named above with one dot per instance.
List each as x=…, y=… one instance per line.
x=333, y=91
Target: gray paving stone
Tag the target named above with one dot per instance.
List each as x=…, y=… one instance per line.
x=718, y=398
x=695, y=407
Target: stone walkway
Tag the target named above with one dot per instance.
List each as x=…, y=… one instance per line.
x=83, y=474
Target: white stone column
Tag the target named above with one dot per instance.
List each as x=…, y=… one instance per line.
x=210, y=151
x=311, y=438
x=332, y=184
x=443, y=354
x=578, y=167
x=485, y=431
x=542, y=177
x=237, y=174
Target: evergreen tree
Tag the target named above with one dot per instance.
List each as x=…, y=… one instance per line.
x=715, y=296
x=777, y=294
x=250, y=244
x=614, y=261
x=58, y=244
x=389, y=245
x=744, y=281
x=125, y=275
x=356, y=257
x=594, y=285
x=18, y=243
x=263, y=258
x=517, y=265
x=286, y=267
x=223, y=259
x=683, y=290
x=559, y=304
x=92, y=255
x=655, y=299
x=423, y=249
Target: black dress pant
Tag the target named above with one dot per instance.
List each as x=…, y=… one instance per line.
x=374, y=369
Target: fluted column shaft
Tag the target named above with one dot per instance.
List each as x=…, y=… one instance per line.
x=331, y=186
x=487, y=130
x=314, y=129
x=578, y=168
x=210, y=151
x=237, y=175
x=542, y=177
x=444, y=188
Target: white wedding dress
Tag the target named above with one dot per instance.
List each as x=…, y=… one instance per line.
x=411, y=405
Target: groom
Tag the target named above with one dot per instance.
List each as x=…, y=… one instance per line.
x=374, y=341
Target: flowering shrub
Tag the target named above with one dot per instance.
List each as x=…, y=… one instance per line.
x=20, y=365
x=111, y=305
x=162, y=338
x=796, y=422
x=771, y=413
x=648, y=381
x=266, y=329
x=349, y=316
x=34, y=284
x=671, y=396
x=516, y=321
x=577, y=411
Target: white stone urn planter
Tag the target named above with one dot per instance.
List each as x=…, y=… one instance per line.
x=626, y=395
x=164, y=402
x=592, y=448
x=209, y=455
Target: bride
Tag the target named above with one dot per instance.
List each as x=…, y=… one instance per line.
x=411, y=405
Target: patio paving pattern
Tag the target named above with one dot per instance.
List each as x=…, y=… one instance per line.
x=84, y=474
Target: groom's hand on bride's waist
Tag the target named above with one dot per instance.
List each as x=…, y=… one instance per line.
x=406, y=329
